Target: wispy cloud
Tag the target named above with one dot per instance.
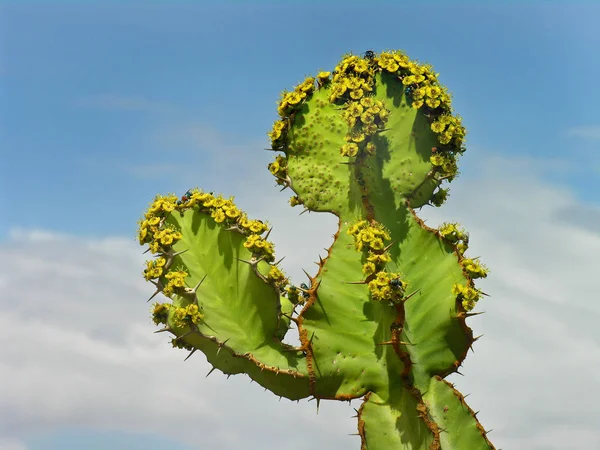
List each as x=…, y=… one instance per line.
x=118, y=102
x=591, y=132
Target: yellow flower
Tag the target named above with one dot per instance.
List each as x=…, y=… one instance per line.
x=355, y=109
x=356, y=94
x=367, y=102
x=408, y=80
x=256, y=226
x=433, y=102
x=377, y=244
x=218, y=215
x=433, y=91
x=350, y=149
x=293, y=98
x=361, y=66
x=370, y=129
x=367, y=117
x=273, y=167
x=323, y=77
x=368, y=268
x=379, y=258
x=232, y=212
x=417, y=104
x=438, y=126
x=371, y=148
x=357, y=137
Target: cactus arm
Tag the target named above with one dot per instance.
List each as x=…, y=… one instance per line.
x=229, y=310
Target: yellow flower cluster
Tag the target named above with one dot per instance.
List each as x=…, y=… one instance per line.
x=178, y=343
x=154, y=268
x=293, y=294
x=449, y=127
x=445, y=163
x=474, y=268
x=294, y=201
x=176, y=282
x=352, y=82
x=290, y=101
x=393, y=61
x=277, y=133
x=277, y=277
x=368, y=236
x=160, y=205
x=160, y=313
x=278, y=167
x=468, y=296
x=185, y=316
x=387, y=287
x=323, y=78
x=260, y=247
x=375, y=262
x=452, y=233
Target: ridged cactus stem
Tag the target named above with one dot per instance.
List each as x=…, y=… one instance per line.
x=384, y=318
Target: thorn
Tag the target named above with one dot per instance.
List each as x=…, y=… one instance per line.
x=483, y=293
x=162, y=330
x=456, y=371
x=488, y=432
x=467, y=315
x=385, y=129
x=355, y=282
x=209, y=372
x=195, y=288
x=273, y=150
x=283, y=188
x=249, y=262
x=305, y=209
x=354, y=434
x=191, y=353
x=410, y=295
x=321, y=260
x=389, y=246
x=153, y=295
x=477, y=338
x=386, y=343
x=306, y=273
x=268, y=233
x=349, y=163
x=280, y=397
x=221, y=345
x=277, y=263
x=178, y=253
x=146, y=251
x=228, y=375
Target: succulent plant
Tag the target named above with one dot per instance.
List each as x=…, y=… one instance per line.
x=384, y=317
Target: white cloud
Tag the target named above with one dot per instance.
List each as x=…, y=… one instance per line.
x=83, y=352
x=586, y=132
x=12, y=444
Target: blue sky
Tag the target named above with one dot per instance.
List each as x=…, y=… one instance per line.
x=92, y=92
x=103, y=105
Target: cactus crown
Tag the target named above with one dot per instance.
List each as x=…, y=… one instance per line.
x=384, y=318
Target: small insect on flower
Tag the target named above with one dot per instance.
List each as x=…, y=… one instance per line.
x=396, y=283
x=305, y=287
x=369, y=54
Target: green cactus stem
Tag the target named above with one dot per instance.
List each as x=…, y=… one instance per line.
x=384, y=318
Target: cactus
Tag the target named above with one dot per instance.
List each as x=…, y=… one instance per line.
x=384, y=318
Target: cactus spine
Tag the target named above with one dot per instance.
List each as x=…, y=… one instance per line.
x=384, y=318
